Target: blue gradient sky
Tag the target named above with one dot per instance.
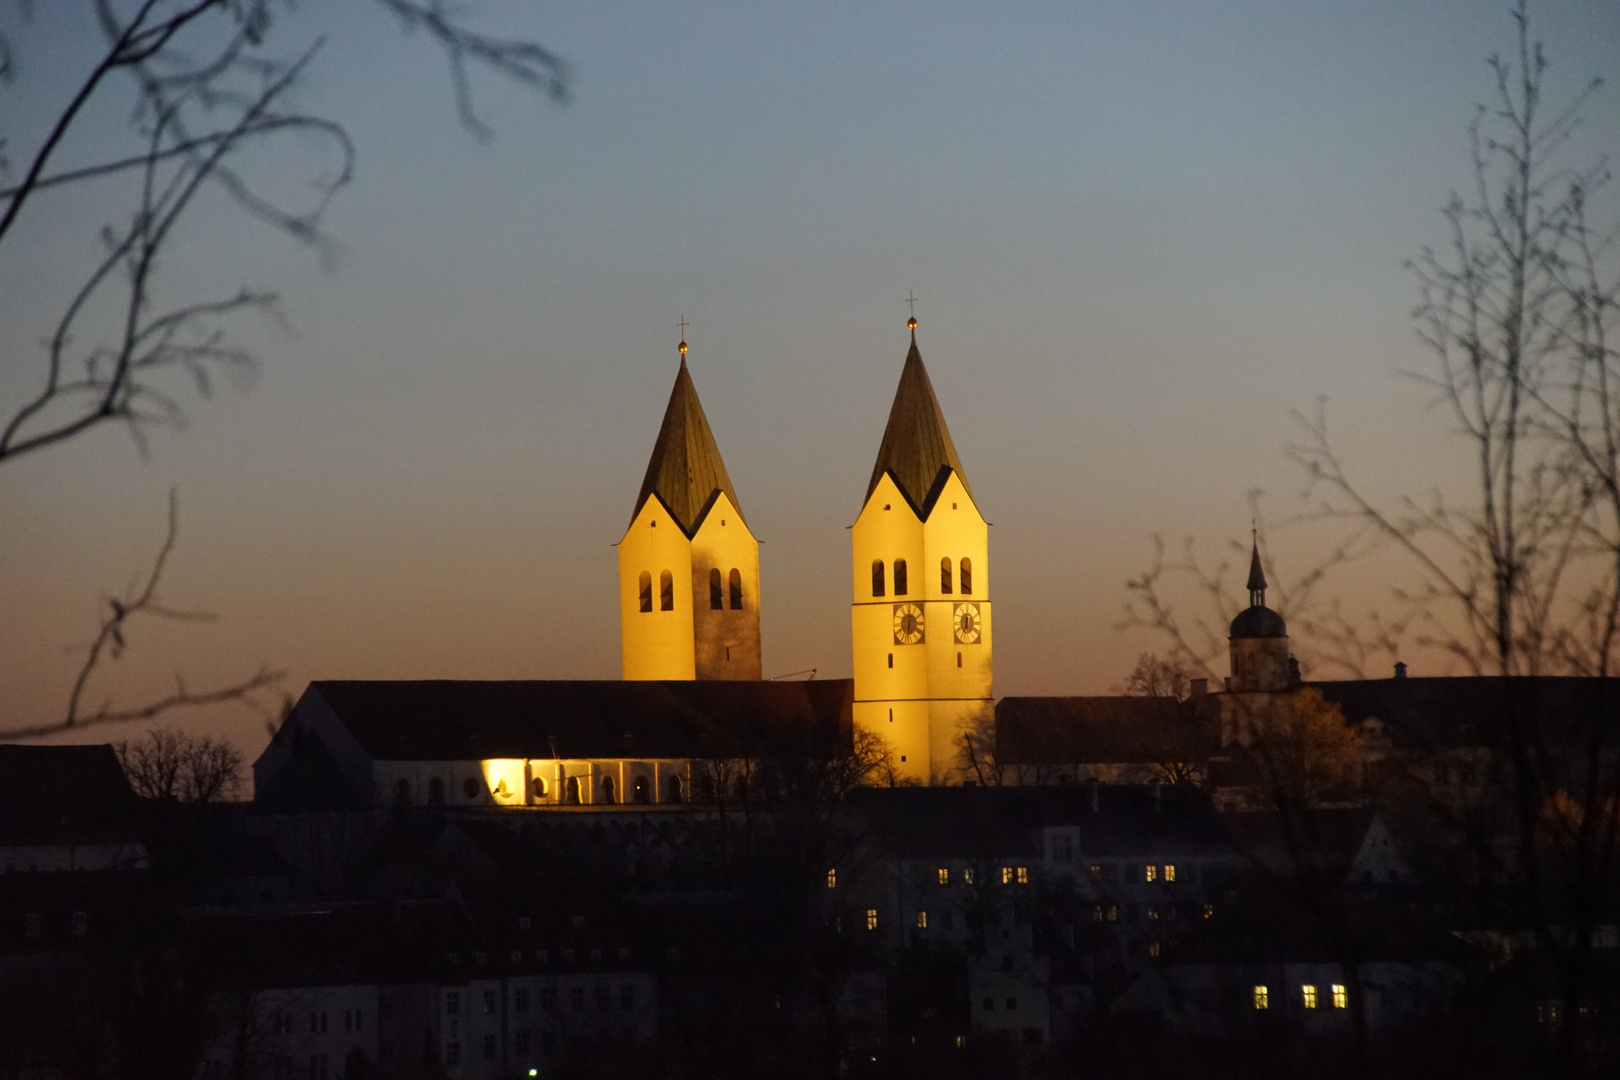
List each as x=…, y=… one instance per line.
x=1142, y=234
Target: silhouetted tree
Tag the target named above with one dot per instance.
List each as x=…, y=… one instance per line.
x=204, y=83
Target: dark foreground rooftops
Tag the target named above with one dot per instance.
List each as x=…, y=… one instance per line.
x=1102, y=730
x=64, y=794
x=1473, y=711
x=981, y=822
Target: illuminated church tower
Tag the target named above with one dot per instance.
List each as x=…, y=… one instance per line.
x=920, y=620
x=688, y=565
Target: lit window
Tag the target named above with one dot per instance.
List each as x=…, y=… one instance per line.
x=1170, y=872
x=967, y=876
x=877, y=577
x=871, y=918
x=1153, y=948
x=646, y=591
x=1023, y=875
x=899, y=577
x=736, y=589
x=1096, y=871
x=1340, y=998
x=966, y=567
x=922, y=920
x=1006, y=875
x=832, y=878
x=1262, y=998
x=666, y=591
x=1209, y=911
x=1112, y=913
x=944, y=876
x=717, y=595
x=1308, y=992
x=1152, y=873
x=945, y=576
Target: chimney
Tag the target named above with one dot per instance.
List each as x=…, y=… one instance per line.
x=1091, y=792
x=1156, y=790
x=1400, y=670
x=1200, y=687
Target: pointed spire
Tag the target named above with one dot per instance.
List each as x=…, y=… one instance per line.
x=1257, y=576
x=917, y=445
x=686, y=470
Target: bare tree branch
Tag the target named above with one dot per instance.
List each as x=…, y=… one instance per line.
x=110, y=642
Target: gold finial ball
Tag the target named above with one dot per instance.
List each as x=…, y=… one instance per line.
x=683, y=348
x=911, y=323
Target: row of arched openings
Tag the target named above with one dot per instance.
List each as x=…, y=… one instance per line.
x=719, y=590
x=901, y=585
x=607, y=790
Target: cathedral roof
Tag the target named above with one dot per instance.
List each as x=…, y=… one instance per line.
x=917, y=446
x=686, y=469
x=452, y=720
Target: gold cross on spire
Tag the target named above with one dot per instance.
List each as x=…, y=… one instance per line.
x=911, y=323
x=683, y=324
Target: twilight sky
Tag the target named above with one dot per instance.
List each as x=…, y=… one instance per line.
x=1142, y=234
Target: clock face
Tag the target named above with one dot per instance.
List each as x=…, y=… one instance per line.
x=908, y=624
x=967, y=623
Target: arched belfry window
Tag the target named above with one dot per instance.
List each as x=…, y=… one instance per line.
x=607, y=789
x=435, y=792
x=639, y=792
x=716, y=595
x=877, y=577
x=945, y=576
x=646, y=591
x=966, y=567
x=736, y=589
x=899, y=577
x=672, y=789
x=571, y=791
x=666, y=591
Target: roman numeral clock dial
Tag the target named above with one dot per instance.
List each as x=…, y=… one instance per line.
x=908, y=624
x=966, y=618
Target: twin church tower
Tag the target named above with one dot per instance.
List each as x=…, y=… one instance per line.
x=920, y=614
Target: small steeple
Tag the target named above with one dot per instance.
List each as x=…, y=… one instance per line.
x=686, y=470
x=917, y=447
x=1257, y=576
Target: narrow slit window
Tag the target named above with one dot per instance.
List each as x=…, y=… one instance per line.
x=899, y=577
x=945, y=576
x=736, y=589
x=646, y=591
x=666, y=591
x=966, y=568
x=877, y=577
x=716, y=593
x=891, y=659
x=958, y=659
